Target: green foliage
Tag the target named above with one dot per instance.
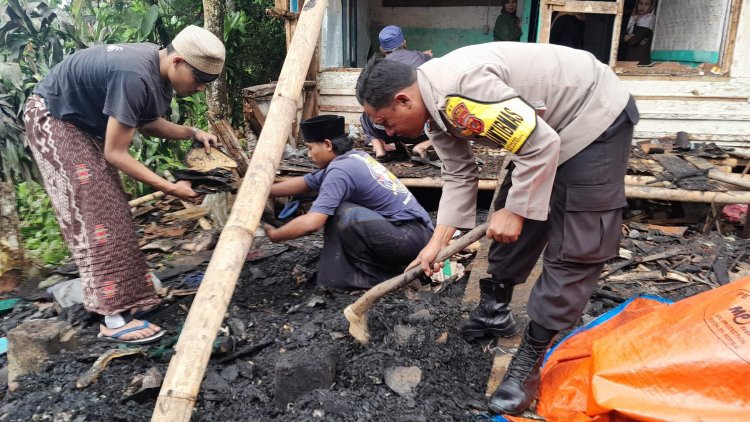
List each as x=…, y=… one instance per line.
x=39, y=229
x=33, y=39
x=256, y=49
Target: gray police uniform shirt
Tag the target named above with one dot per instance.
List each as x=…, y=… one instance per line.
x=542, y=102
x=357, y=178
x=117, y=80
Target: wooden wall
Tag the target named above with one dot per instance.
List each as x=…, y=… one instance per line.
x=709, y=108
x=708, y=111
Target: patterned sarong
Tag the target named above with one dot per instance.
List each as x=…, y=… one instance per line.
x=92, y=210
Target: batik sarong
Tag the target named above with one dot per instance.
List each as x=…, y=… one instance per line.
x=92, y=210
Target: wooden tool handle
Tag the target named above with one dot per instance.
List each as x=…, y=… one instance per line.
x=373, y=295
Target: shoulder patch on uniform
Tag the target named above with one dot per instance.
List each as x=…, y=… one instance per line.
x=507, y=123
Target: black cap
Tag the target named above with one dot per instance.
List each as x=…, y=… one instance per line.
x=320, y=128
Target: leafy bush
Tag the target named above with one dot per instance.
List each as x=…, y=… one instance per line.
x=39, y=229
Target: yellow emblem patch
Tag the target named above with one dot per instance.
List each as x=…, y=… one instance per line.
x=507, y=123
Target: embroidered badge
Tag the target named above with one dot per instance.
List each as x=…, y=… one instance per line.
x=83, y=174
x=101, y=233
x=112, y=47
x=465, y=120
x=506, y=123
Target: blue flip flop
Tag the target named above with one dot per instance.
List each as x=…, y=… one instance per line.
x=145, y=340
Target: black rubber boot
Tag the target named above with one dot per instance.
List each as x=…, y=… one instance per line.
x=492, y=318
x=521, y=380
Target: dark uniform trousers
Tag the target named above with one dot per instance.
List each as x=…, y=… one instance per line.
x=581, y=233
x=361, y=248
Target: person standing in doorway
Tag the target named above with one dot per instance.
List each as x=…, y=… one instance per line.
x=508, y=24
x=640, y=32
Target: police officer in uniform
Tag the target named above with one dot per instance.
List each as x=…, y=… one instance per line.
x=568, y=120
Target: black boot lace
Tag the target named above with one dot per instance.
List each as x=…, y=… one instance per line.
x=523, y=363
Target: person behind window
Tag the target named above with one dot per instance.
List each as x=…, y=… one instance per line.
x=640, y=33
x=508, y=25
x=567, y=29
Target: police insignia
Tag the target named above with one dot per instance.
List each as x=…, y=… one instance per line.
x=507, y=123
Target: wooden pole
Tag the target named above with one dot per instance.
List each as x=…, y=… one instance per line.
x=489, y=184
x=682, y=195
x=183, y=378
x=143, y=199
x=714, y=173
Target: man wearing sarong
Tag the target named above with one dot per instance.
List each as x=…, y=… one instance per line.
x=80, y=122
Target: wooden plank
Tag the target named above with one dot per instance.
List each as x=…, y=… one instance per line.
x=599, y=8
x=713, y=173
x=350, y=118
x=437, y=182
x=256, y=117
x=332, y=79
x=674, y=164
x=545, y=22
x=730, y=36
x=687, y=89
x=741, y=54
x=339, y=82
x=615, y=45
x=339, y=100
x=229, y=139
x=701, y=130
x=682, y=195
x=267, y=90
x=548, y=7
x=337, y=108
x=337, y=91
x=693, y=110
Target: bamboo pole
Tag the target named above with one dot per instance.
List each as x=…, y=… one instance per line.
x=633, y=190
x=682, y=195
x=714, y=173
x=490, y=184
x=183, y=378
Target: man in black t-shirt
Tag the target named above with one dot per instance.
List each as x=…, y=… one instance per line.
x=80, y=122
